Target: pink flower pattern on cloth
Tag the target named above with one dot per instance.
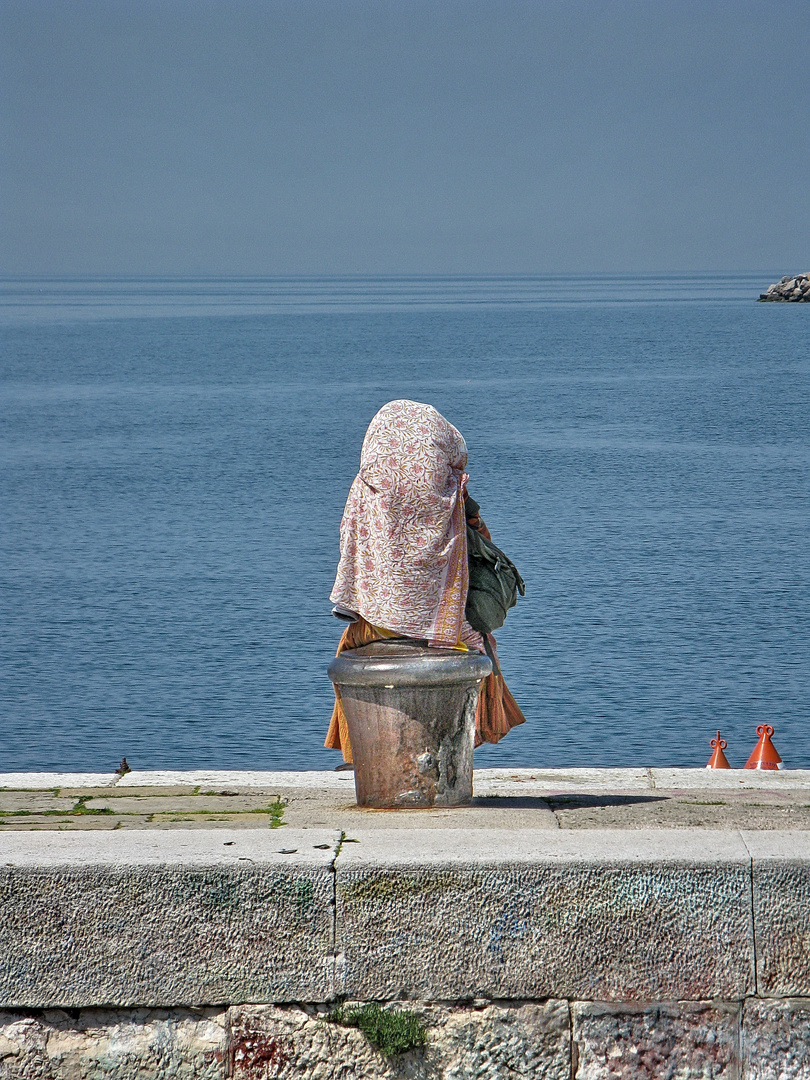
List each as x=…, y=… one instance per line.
x=403, y=540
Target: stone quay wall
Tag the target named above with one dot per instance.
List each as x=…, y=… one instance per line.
x=218, y=953
x=794, y=289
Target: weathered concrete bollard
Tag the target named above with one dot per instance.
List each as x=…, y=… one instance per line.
x=411, y=716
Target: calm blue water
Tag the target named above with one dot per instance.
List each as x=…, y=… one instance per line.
x=175, y=456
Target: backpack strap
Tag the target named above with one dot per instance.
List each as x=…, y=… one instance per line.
x=496, y=667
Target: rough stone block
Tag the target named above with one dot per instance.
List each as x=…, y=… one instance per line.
x=597, y=915
x=494, y=1041
x=729, y=780
x=32, y=781
x=781, y=873
x=527, y=782
x=677, y=1040
x=165, y=918
x=241, y=780
x=120, y=1045
x=776, y=1039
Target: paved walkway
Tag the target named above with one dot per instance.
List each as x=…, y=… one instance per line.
x=505, y=799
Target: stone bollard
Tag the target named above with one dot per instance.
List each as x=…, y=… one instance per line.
x=411, y=716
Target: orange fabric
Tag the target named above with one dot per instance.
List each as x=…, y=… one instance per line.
x=497, y=711
x=337, y=738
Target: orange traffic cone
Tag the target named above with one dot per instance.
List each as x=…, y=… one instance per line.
x=718, y=760
x=764, y=755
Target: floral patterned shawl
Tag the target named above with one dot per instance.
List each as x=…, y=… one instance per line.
x=403, y=541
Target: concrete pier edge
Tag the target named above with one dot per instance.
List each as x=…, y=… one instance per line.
x=644, y=778
x=583, y=945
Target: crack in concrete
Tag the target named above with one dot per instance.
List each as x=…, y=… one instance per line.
x=573, y=1049
x=754, y=933
x=753, y=913
x=333, y=974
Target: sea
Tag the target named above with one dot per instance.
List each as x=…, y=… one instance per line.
x=175, y=456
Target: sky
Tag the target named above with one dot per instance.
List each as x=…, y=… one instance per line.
x=263, y=137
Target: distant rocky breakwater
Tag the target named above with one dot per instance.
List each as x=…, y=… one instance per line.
x=789, y=290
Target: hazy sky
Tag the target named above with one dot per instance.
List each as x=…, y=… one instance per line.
x=449, y=136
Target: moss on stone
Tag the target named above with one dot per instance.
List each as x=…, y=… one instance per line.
x=391, y=887
x=392, y=1031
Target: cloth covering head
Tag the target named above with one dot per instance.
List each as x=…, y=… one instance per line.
x=403, y=541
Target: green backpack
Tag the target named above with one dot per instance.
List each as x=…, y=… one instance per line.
x=494, y=584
